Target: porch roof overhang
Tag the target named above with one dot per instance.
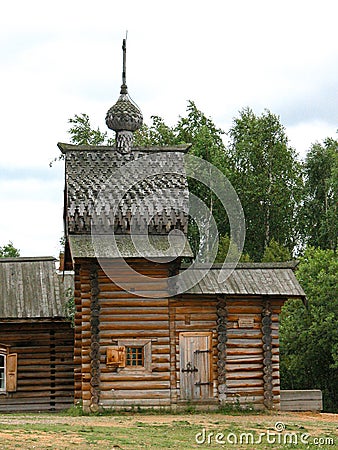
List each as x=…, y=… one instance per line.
x=255, y=279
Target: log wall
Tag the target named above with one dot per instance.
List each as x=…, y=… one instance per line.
x=45, y=368
x=123, y=316
x=191, y=313
x=252, y=352
x=245, y=342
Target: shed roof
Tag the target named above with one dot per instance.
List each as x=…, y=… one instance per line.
x=30, y=288
x=150, y=197
x=248, y=279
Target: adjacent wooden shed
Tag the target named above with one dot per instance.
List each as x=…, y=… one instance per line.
x=36, y=341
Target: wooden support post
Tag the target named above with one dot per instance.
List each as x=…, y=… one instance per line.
x=172, y=343
x=95, y=340
x=221, y=347
x=267, y=354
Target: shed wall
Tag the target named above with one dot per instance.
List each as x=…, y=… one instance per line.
x=45, y=365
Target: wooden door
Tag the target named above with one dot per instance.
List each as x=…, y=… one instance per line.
x=195, y=366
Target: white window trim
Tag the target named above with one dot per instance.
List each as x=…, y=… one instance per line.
x=4, y=352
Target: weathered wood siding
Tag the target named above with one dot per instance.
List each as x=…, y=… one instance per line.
x=252, y=351
x=191, y=313
x=276, y=306
x=44, y=365
x=301, y=400
x=244, y=351
x=122, y=316
x=244, y=339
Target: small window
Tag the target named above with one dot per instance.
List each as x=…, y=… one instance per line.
x=8, y=370
x=135, y=356
x=2, y=373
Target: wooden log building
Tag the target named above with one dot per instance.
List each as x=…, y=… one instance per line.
x=135, y=342
x=36, y=341
x=144, y=335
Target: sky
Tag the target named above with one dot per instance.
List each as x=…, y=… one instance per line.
x=58, y=59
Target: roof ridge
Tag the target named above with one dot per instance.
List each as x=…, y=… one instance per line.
x=28, y=258
x=64, y=147
x=247, y=265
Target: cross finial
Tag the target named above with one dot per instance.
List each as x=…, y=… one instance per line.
x=124, y=89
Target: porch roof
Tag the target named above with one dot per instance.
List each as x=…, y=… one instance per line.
x=274, y=279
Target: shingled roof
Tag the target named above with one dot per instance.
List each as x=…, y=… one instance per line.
x=156, y=204
x=30, y=288
x=247, y=279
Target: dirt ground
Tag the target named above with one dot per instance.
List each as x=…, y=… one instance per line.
x=19, y=430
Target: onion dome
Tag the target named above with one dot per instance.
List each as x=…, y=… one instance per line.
x=125, y=116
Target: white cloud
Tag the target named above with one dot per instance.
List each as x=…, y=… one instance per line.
x=304, y=134
x=62, y=58
x=31, y=214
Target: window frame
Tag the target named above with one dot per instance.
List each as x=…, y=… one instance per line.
x=10, y=370
x=145, y=344
x=3, y=354
x=134, y=354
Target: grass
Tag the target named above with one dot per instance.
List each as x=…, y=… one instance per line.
x=155, y=431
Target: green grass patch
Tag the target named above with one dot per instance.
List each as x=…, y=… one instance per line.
x=139, y=431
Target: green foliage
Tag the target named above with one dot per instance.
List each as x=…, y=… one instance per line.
x=309, y=335
x=9, y=251
x=267, y=177
x=226, y=245
x=207, y=144
x=206, y=139
x=158, y=133
x=81, y=132
x=275, y=252
x=319, y=214
x=70, y=307
x=202, y=133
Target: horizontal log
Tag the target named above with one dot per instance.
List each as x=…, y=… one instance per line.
x=251, y=390
x=238, y=375
x=208, y=317
x=129, y=334
x=246, y=399
x=134, y=302
x=145, y=394
x=244, y=333
x=124, y=376
x=123, y=403
x=130, y=311
x=29, y=396
x=244, y=342
x=234, y=316
x=235, y=326
x=34, y=407
x=301, y=400
x=249, y=366
x=237, y=359
x=231, y=383
x=133, y=385
x=238, y=350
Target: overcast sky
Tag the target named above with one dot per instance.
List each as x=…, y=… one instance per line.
x=63, y=58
